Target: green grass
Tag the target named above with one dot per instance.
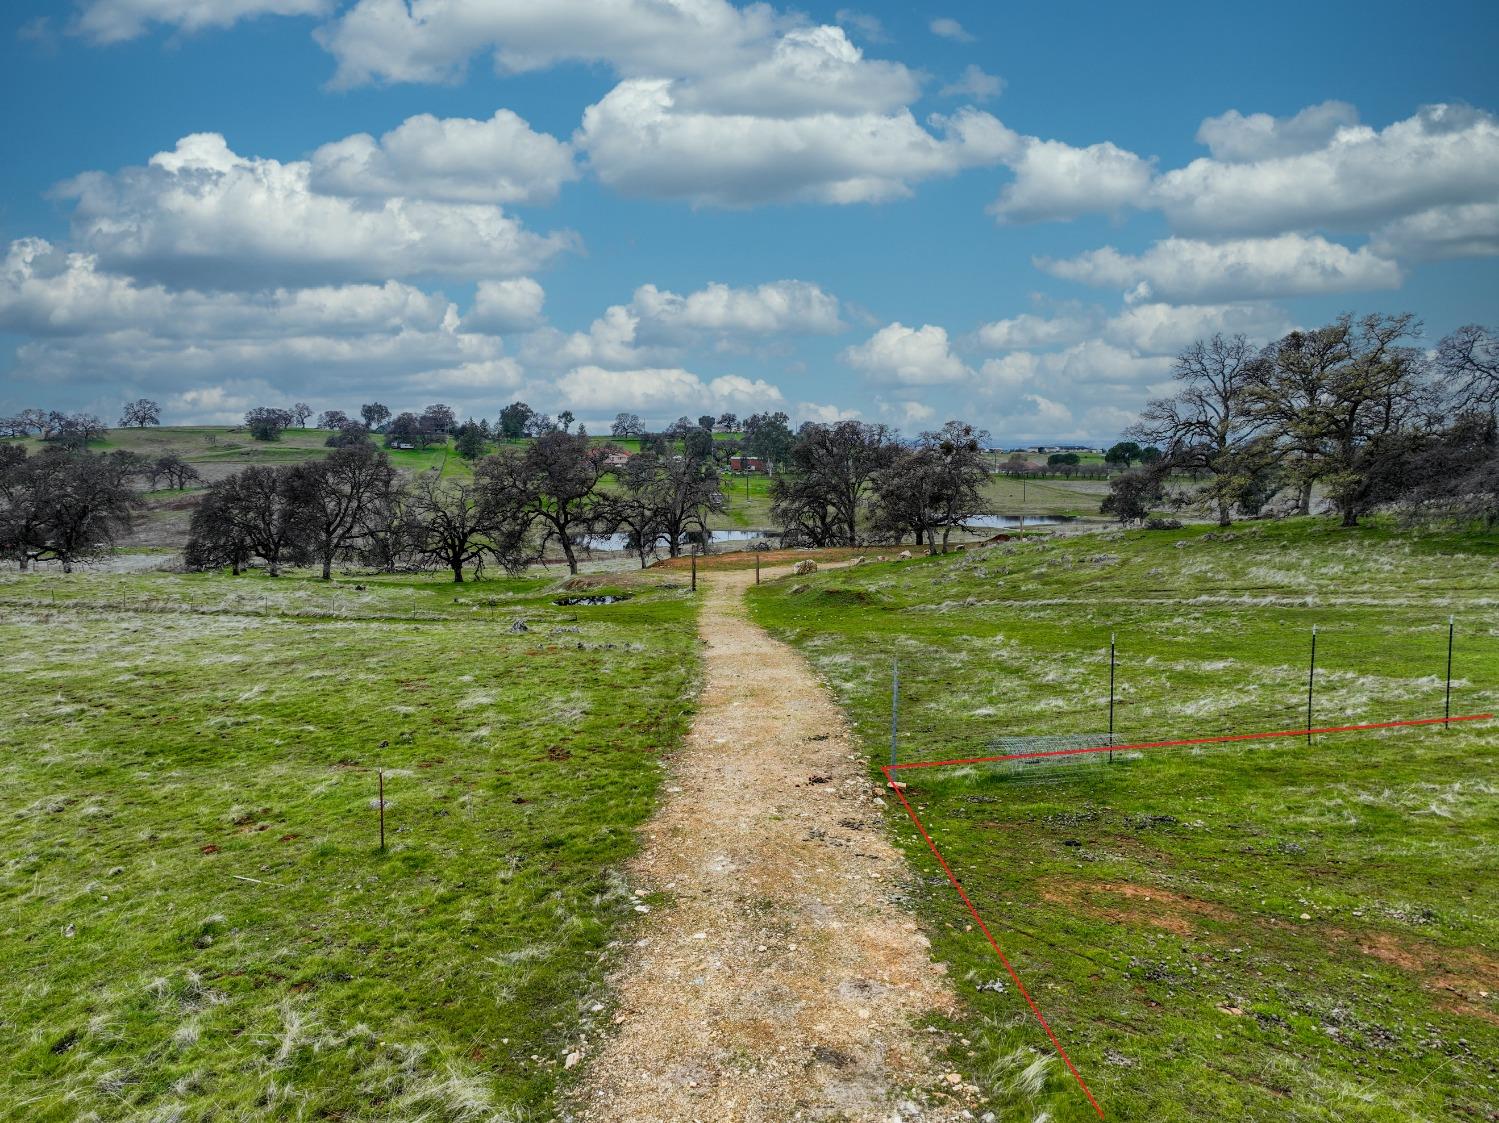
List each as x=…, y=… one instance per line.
x=197, y=922
x=1155, y=906
x=1009, y=496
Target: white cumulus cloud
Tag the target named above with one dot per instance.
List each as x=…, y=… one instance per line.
x=1463, y=230
x=111, y=21
x=89, y=331
x=660, y=391
x=824, y=413
x=949, y=28
x=774, y=308
x=1187, y=271
x=203, y=216
x=455, y=159
x=1444, y=155
x=657, y=324
x=1054, y=180
x=1236, y=138
x=504, y=306
x=809, y=70
x=908, y=356
x=432, y=40
x=641, y=141
x=974, y=83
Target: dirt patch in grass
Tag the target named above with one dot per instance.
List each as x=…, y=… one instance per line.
x=1146, y=904
x=1465, y=972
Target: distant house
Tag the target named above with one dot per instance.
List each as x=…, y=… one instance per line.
x=402, y=445
x=617, y=459
x=746, y=464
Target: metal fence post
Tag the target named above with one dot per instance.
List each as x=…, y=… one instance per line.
x=1111, y=697
x=1447, y=710
x=1311, y=678
x=694, y=573
x=757, y=567
x=894, y=708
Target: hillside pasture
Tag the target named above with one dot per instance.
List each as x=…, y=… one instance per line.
x=198, y=920
x=1261, y=931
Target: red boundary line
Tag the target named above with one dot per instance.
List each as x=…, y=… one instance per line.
x=1193, y=741
x=889, y=769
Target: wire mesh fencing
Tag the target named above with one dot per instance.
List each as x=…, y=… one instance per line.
x=1253, y=678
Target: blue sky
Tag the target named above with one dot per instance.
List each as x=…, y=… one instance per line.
x=1015, y=214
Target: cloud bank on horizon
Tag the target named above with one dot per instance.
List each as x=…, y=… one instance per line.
x=421, y=260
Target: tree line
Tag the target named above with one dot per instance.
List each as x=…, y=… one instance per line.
x=66, y=504
x=1354, y=409
x=355, y=505
x=852, y=482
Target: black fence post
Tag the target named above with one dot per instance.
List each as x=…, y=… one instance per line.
x=1111, y=697
x=1311, y=677
x=694, y=572
x=894, y=707
x=1447, y=709
x=757, y=567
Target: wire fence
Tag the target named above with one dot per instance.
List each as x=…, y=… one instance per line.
x=1330, y=678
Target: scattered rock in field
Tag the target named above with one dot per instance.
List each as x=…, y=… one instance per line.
x=858, y=560
x=904, y=555
x=572, y=1059
x=804, y=567
x=819, y=779
x=519, y=626
x=70, y=931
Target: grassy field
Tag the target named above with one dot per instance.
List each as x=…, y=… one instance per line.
x=1267, y=932
x=197, y=921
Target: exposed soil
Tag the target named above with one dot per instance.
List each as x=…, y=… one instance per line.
x=1146, y=904
x=1466, y=978
x=773, y=979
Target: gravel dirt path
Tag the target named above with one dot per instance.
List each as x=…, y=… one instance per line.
x=779, y=981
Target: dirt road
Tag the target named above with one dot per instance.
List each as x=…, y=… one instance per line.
x=779, y=982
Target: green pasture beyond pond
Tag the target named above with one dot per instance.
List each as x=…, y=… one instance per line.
x=197, y=921
x=1268, y=931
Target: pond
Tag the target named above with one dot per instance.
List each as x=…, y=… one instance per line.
x=1006, y=522
x=732, y=538
x=720, y=537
